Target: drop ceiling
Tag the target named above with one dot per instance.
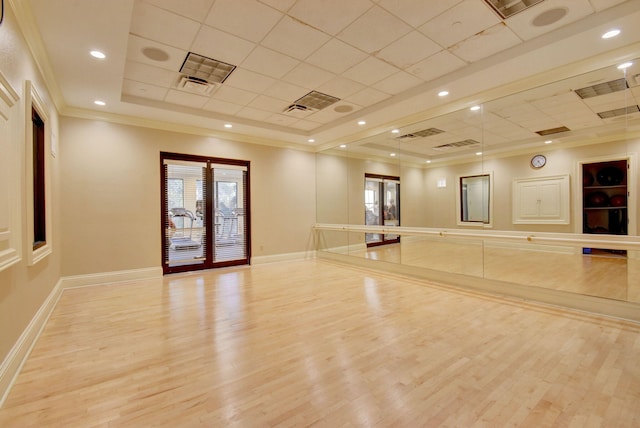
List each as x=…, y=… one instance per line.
x=382, y=61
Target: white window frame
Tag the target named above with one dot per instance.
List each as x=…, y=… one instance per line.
x=34, y=101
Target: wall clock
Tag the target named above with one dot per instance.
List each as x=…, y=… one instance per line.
x=538, y=161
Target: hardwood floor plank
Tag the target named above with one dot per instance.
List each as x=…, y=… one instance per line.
x=313, y=343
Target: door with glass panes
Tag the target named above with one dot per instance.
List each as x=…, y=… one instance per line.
x=381, y=206
x=205, y=212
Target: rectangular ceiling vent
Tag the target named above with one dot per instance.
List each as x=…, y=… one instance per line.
x=456, y=144
x=196, y=86
x=602, y=88
x=553, y=131
x=507, y=8
x=208, y=69
x=618, y=112
x=315, y=101
x=421, y=134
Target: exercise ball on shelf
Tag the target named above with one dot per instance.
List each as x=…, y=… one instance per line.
x=610, y=176
x=618, y=201
x=587, y=179
x=597, y=199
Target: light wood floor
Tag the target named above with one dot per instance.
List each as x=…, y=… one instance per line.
x=315, y=343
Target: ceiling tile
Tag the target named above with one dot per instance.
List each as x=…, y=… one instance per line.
x=340, y=87
x=374, y=30
x=370, y=71
x=183, y=98
x=253, y=113
x=234, y=95
x=223, y=107
x=162, y=26
x=193, y=9
x=330, y=16
x=144, y=90
x=408, y=50
x=417, y=12
x=295, y=39
x=305, y=125
x=367, y=97
x=398, y=82
x=221, y=46
x=460, y=22
x=308, y=76
x=286, y=91
x=271, y=63
x=605, y=4
x=336, y=56
x=281, y=119
x=522, y=25
x=271, y=104
x=486, y=43
x=247, y=18
x=149, y=74
x=281, y=5
x=245, y=79
x=137, y=44
x=436, y=65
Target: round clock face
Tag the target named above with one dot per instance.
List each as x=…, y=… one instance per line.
x=538, y=161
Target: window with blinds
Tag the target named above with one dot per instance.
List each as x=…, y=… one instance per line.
x=205, y=213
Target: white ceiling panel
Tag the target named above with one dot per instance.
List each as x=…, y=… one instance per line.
x=336, y=56
x=144, y=90
x=367, y=97
x=220, y=106
x=163, y=26
x=488, y=42
x=250, y=81
x=374, y=30
x=436, y=65
x=460, y=22
x=370, y=71
x=248, y=19
x=286, y=91
x=221, y=46
x=409, y=49
x=274, y=105
x=175, y=96
x=330, y=16
x=307, y=76
x=193, y=9
x=234, y=95
x=340, y=87
x=150, y=74
x=269, y=62
x=253, y=113
x=295, y=39
x=523, y=23
x=175, y=56
x=397, y=83
x=417, y=12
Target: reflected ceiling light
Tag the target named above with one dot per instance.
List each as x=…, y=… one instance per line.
x=311, y=140
x=342, y=146
x=228, y=125
x=475, y=108
x=362, y=122
x=428, y=161
x=99, y=103
x=392, y=154
x=97, y=54
x=625, y=65
x=395, y=131
x=443, y=93
x=611, y=33
x=478, y=153
x=548, y=142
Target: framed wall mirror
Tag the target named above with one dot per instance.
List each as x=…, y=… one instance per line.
x=475, y=200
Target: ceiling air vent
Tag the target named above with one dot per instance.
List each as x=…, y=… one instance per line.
x=316, y=100
x=419, y=134
x=208, y=69
x=602, y=88
x=507, y=8
x=457, y=144
x=553, y=131
x=196, y=86
x=618, y=112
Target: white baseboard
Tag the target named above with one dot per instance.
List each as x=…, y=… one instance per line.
x=12, y=364
x=110, y=277
x=18, y=354
x=301, y=255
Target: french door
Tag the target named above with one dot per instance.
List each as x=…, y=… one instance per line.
x=205, y=212
x=382, y=207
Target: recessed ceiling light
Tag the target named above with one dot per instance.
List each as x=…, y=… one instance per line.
x=362, y=122
x=475, y=108
x=98, y=54
x=478, y=153
x=611, y=33
x=342, y=146
x=428, y=161
x=625, y=65
x=311, y=140
x=395, y=131
x=228, y=125
x=548, y=142
x=99, y=103
x=392, y=154
x=443, y=93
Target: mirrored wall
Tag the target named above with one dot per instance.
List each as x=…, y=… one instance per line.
x=537, y=189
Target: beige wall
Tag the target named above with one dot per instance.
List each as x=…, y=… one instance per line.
x=111, y=194
x=24, y=288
